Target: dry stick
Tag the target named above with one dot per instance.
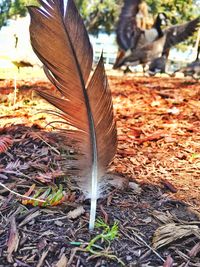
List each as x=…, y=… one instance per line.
x=144, y=242
x=55, y=219
x=22, y=174
x=53, y=148
x=73, y=253
x=44, y=255
x=15, y=91
x=19, y=195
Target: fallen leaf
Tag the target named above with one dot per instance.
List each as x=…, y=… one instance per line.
x=13, y=240
x=169, y=262
x=43, y=257
x=137, y=189
x=169, y=186
x=5, y=143
x=135, y=131
x=153, y=137
x=171, y=232
x=147, y=220
x=117, y=180
x=174, y=111
x=62, y=261
x=76, y=213
x=195, y=250
x=169, y=139
x=30, y=218
x=126, y=152
x=164, y=217
x=155, y=103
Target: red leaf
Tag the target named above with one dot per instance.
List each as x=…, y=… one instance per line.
x=169, y=186
x=5, y=143
x=169, y=262
x=195, y=250
x=153, y=137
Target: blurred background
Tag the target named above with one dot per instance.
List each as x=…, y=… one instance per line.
x=101, y=18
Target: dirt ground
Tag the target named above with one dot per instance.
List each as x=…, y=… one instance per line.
x=157, y=212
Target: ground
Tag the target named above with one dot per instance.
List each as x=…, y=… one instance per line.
x=157, y=211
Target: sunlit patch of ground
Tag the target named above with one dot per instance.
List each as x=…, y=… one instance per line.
x=158, y=127
x=9, y=71
x=159, y=132
x=158, y=121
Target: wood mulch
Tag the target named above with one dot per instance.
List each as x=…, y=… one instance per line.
x=157, y=212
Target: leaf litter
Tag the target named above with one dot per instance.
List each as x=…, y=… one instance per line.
x=158, y=153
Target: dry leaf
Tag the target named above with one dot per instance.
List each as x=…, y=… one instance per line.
x=194, y=211
x=169, y=262
x=75, y=213
x=62, y=262
x=163, y=217
x=195, y=250
x=169, y=233
x=147, y=220
x=153, y=137
x=116, y=180
x=29, y=218
x=137, y=189
x=13, y=240
x=169, y=185
x=5, y=143
x=43, y=257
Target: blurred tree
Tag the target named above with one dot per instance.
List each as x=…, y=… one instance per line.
x=177, y=11
x=13, y=8
x=4, y=8
x=18, y=7
x=100, y=14
x=103, y=14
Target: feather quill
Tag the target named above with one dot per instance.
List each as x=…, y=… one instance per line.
x=60, y=40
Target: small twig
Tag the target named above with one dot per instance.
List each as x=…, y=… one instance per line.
x=22, y=174
x=182, y=255
x=144, y=242
x=95, y=254
x=105, y=254
x=15, y=91
x=55, y=219
x=21, y=196
x=53, y=148
x=73, y=253
x=44, y=255
x=105, y=214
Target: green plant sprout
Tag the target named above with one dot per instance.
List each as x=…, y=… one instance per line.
x=108, y=234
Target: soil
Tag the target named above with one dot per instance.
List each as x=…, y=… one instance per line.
x=157, y=211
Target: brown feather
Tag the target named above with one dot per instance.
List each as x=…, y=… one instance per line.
x=60, y=40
